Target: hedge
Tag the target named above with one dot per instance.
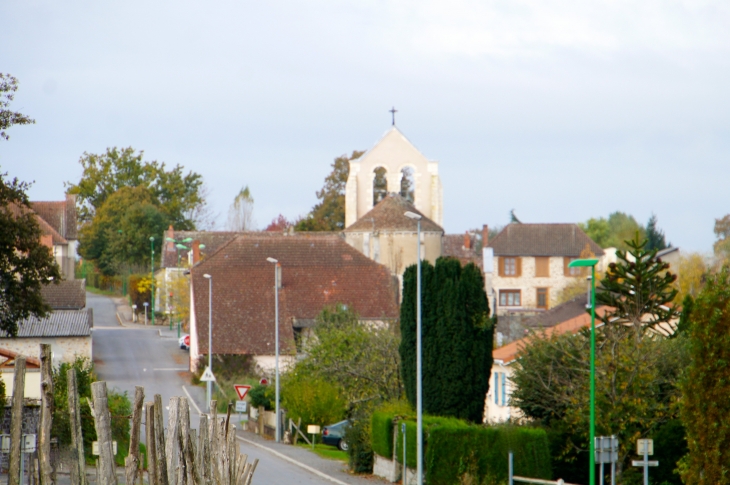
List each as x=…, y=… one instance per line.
x=381, y=431
x=429, y=422
x=455, y=451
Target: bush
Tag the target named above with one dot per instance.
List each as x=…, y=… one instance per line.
x=457, y=453
x=315, y=401
x=360, y=452
x=262, y=395
x=136, y=295
x=381, y=425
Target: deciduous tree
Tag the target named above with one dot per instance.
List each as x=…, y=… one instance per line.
x=25, y=263
x=240, y=214
x=614, y=231
x=8, y=118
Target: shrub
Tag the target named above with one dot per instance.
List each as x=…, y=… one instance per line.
x=381, y=425
x=139, y=293
x=360, y=452
x=315, y=401
x=262, y=395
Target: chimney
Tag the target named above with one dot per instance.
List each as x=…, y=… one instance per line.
x=196, y=252
x=169, y=245
x=467, y=240
x=485, y=236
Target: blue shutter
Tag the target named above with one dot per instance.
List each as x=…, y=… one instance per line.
x=496, y=388
x=504, y=390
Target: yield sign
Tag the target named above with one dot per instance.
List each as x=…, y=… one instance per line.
x=207, y=376
x=241, y=390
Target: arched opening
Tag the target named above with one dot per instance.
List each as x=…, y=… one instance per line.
x=380, y=185
x=408, y=184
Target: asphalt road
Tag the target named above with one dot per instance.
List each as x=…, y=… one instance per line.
x=127, y=357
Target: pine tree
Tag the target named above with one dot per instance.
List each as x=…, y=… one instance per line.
x=457, y=339
x=655, y=237
x=706, y=384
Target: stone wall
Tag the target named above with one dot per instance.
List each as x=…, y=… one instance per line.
x=65, y=349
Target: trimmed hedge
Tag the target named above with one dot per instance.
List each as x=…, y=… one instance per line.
x=381, y=430
x=429, y=422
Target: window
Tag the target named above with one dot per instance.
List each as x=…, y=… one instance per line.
x=542, y=266
x=407, y=184
x=542, y=298
x=510, y=298
x=571, y=271
x=510, y=266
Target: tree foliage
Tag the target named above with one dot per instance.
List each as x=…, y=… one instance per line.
x=692, y=272
x=360, y=359
x=722, y=233
x=8, y=118
x=457, y=335
x=240, y=214
x=176, y=194
x=314, y=400
x=655, y=236
x=25, y=263
x=278, y=224
x=706, y=385
x=119, y=233
x=614, y=231
x=329, y=213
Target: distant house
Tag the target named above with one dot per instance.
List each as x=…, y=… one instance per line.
x=67, y=329
x=58, y=224
x=385, y=235
x=317, y=270
x=529, y=264
x=465, y=247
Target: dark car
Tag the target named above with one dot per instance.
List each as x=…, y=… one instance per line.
x=334, y=434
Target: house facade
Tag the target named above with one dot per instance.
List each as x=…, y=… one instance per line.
x=59, y=227
x=528, y=265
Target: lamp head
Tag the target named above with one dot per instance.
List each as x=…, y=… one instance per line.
x=169, y=239
x=583, y=263
x=152, y=238
x=272, y=260
x=412, y=215
x=206, y=275
x=202, y=246
x=187, y=239
x=181, y=246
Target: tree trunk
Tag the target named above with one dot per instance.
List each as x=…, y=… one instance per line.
x=150, y=438
x=102, y=418
x=132, y=461
x=44, y=432
x=78, y=463
x=16, y=422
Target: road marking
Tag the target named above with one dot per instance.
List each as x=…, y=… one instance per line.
x=178, y=369
x=295, y=462
x=191, y=400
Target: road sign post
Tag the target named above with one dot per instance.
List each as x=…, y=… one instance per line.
x=646, y=448
x=207, y=376
x=241, y=390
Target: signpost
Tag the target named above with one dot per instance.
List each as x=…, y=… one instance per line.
x=607, y=452
x=646, y=448
x=405, y=467
x=207, y=376
x=241, y=390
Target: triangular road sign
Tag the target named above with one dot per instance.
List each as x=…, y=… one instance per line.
x=241, y=390
x=207, y=376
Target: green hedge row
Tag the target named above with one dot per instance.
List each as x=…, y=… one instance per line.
x=455, y=449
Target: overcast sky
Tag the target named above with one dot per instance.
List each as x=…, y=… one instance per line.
x=562, y=110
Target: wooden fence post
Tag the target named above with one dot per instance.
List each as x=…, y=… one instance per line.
x=161, y=466
x=150, y=438
x=170, y=448
x=78, y=464
x=16, y=421
x=102, y=419
x=44, y=433
x=131, y=463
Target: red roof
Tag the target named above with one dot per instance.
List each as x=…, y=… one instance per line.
x=317, y=271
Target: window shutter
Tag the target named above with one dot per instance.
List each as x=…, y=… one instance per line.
x=566, y=262
x=518, y=267
x=500, y=263
x=542, y=266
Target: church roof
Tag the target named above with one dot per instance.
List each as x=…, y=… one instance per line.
x=388, y=216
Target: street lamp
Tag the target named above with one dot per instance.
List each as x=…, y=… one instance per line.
x=419, y=384
x=178, y=246
x=210, y=336
x=152, y=273
x=585, y=263
x=276, y=343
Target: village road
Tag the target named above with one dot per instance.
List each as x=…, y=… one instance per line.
x=126, y=357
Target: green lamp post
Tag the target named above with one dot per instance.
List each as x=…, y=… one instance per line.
x=180, y=244
x=152, y=273
x=585, y=263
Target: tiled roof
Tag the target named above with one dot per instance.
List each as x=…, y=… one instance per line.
x=317, y=271
x=60, y=215
x=453, y=246
x=511, y=351
x=60, y=323
x=65, y=294
x=46, y=229
x=560, y=313
x=388, y=216
x=542, y=240
x=212, y=240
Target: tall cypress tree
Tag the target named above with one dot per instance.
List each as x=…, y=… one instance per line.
x=457, y=339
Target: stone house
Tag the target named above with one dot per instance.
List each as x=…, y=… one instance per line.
x=316, y=270
x=58, y=223
x=526, y=265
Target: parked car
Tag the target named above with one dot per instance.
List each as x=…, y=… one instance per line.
x=334, y=434
x=184, y=342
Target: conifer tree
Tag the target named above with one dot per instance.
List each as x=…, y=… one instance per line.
x=457, y=337
x=655, y=236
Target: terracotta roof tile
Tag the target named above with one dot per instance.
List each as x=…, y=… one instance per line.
x=388, y=216
x=60, y=215
x=46, y=229
x=453, y=246
x=542, y=240
x=317, y=271
x=65, y=295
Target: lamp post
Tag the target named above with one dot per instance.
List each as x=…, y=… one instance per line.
x=152, y=273
x=209, y=384
x=585, y=263
x=277, y=267
x=178, y=247
x=419, y=372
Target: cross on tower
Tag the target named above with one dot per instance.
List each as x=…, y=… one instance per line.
x=393, y=111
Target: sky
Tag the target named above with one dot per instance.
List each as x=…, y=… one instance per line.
x=561, y=110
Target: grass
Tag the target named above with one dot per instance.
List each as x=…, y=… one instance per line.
x=325, y=451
